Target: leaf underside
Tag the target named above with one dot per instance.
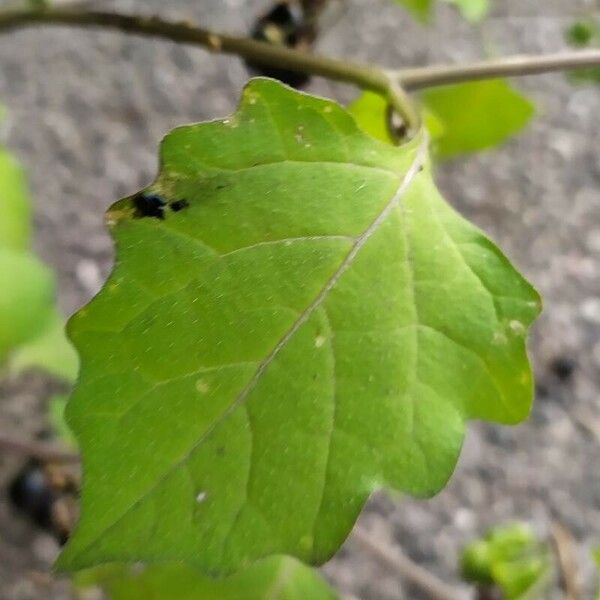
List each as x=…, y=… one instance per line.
x=316, y=323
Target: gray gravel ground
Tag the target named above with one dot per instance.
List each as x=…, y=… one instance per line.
x=86, y=112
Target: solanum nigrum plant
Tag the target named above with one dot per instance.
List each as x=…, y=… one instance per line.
x=296, y=318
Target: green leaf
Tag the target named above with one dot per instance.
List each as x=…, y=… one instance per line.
x=476, y=115
x=421, y=9
x=26, y=300
x=472, y=10
x=50, y=351
x=56, y=416
x=276, y=578
x=27, y=313
x=316, y=323
x=510, y=557
x=15, y=208
x=370, y=113
x=584, y=34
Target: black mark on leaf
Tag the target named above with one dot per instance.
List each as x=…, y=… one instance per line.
x=149, y=205
x=179, y=205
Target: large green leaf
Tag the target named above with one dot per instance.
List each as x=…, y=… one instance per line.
x=276, y=578
x=316, y=324
x=476, y=115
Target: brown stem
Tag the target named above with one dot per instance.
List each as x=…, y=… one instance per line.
x=369, y=77
x=391, y=84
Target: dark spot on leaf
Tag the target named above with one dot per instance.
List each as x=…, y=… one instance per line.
x=149, y=205
x=179, y=205
x=221, y=451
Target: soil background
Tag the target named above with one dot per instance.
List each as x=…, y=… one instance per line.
x=86, y=111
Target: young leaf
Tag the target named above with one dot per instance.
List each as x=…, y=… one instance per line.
x=15, y=229
x=276, y=578
x=476, y=115
x=296, y=318
x=49, y=351
x=27, y=313
x=370, y=113
x=583, y=34
x=596, y=557
x=56, y=416
x=511, y=558
x=26, y=286
x=26, y=298
x=421, y=9
x=472, y=10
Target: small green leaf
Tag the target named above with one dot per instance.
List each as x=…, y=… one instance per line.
x=476, y=115
x=421, y=9
x=511, y=558
x=596, y=556
x=50, y=351
x=26, y=298
x=295, y=320
x=584, y=34
x=370, y=113
x=276, y=578
x=56, y=416
x=28, y=318
x=472, y=10
x=15, y=229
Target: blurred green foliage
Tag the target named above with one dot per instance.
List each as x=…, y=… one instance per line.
x=276, y=578
x=476, y=115
x=56, y=417
x=511, y=558
x=461, y=118
x=596, y=555
x=30, y=326
x=472, y=10
x=584, y=34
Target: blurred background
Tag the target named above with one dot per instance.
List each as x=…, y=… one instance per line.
x=85, y=113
